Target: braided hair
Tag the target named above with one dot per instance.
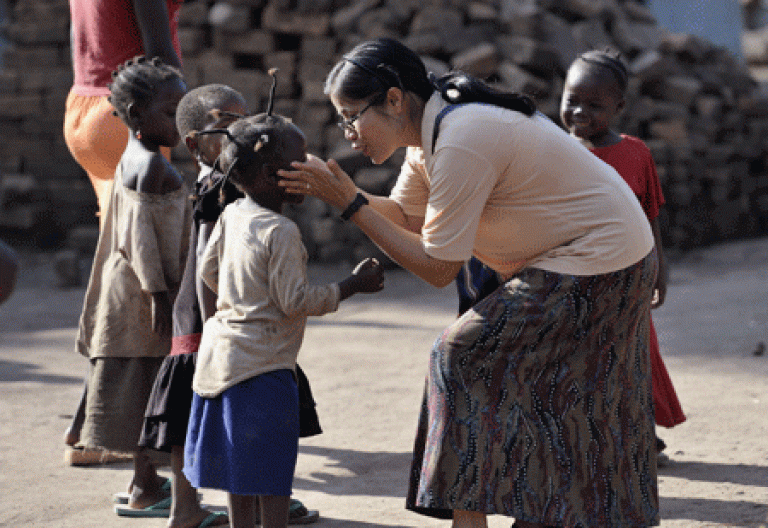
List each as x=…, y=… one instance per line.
x=371, y=68
x=136, y=82
x=610, y=62
x=256, y=141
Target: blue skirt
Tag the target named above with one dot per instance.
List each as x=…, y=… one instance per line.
x=246, y=440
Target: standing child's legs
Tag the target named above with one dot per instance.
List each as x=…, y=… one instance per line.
x=241, y=510
x=274, y=511
x=146, y=485
x=185, y=503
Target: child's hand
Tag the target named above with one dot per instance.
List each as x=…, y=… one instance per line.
x=367, y=277
x=161, y=313
x=370, y=276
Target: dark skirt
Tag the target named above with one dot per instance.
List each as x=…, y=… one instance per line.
x=538, y=405
x=245, y=441
x=167, y=414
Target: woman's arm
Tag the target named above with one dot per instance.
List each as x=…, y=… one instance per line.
x=394, y=232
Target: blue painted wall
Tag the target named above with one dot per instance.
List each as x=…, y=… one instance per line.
x=718, y=21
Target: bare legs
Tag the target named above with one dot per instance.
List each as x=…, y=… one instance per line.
x=242, y=510
x=146, y=485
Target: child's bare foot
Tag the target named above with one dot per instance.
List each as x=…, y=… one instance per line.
x=145, y=495
x=200, y=517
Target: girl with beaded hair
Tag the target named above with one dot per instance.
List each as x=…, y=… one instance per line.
x=593, y=97
x=125, y=325
x=244, y=425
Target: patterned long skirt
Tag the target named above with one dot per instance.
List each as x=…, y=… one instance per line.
x=538, y=405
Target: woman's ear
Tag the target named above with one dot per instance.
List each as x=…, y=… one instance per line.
x=395, y=98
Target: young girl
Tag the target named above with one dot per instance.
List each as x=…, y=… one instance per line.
x=126, y=320
x=244, y=426
x=592, y=97
x=167, y=413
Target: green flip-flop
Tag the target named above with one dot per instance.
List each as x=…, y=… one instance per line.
x=159, y=509
x=123, y=497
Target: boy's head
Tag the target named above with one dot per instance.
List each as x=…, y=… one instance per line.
x=255, y=148
x=593, y=94
x=208, y=107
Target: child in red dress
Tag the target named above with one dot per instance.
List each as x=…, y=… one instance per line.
x=592, y=97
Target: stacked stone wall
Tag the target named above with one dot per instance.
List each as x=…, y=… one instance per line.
x=702, y=114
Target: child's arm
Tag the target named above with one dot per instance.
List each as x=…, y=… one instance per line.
x=660, y=288
x=367, y=277
x=161, y=313
x=206, y=297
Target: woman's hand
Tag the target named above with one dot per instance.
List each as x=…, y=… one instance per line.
x=326, y=181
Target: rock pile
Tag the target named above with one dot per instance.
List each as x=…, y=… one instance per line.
x=703, y=115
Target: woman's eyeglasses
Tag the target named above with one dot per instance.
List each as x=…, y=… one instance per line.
x=348, y=124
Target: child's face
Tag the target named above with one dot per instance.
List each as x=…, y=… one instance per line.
x=157, y=121
x=208, y=147
x=591, y=100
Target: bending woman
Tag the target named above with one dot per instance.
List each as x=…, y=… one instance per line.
x=538, y=400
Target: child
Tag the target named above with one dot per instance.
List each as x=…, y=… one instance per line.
x=126, y=320
x=167, y=415
x=167, y=412
x=244, y=427
x=592, y=97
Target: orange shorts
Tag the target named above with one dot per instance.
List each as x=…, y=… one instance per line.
x=96, y=138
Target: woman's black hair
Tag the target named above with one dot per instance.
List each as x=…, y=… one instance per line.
x=256, y=140
x=136, y=81
x=610, y=61
x=371, y=68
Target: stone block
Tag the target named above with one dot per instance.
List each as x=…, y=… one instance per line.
x=376, y=180
x=344, y=20
x=254, y=42
x=18, y=57
x=516, y=79
x=193, y=13
x=671, y=130
x=482, y=12
x=481, y=60
x=311, y=24
x=634, y=37
x=590, y=34
x=15, y=106
x=57, y=78
x=681, y=89
x=229, y=17
x=191, y=41
x=320, y=50
x=533, y=55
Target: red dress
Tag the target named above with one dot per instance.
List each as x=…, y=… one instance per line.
x=633, y=161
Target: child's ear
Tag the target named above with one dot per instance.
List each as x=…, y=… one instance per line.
x=190, y=140
x=133, y=112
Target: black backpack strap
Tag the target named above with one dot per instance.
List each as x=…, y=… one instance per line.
x=439, y=119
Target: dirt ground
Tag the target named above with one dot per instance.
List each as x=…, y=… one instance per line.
x=367, y=363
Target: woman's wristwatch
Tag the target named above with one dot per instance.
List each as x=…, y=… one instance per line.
x=359, y=201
